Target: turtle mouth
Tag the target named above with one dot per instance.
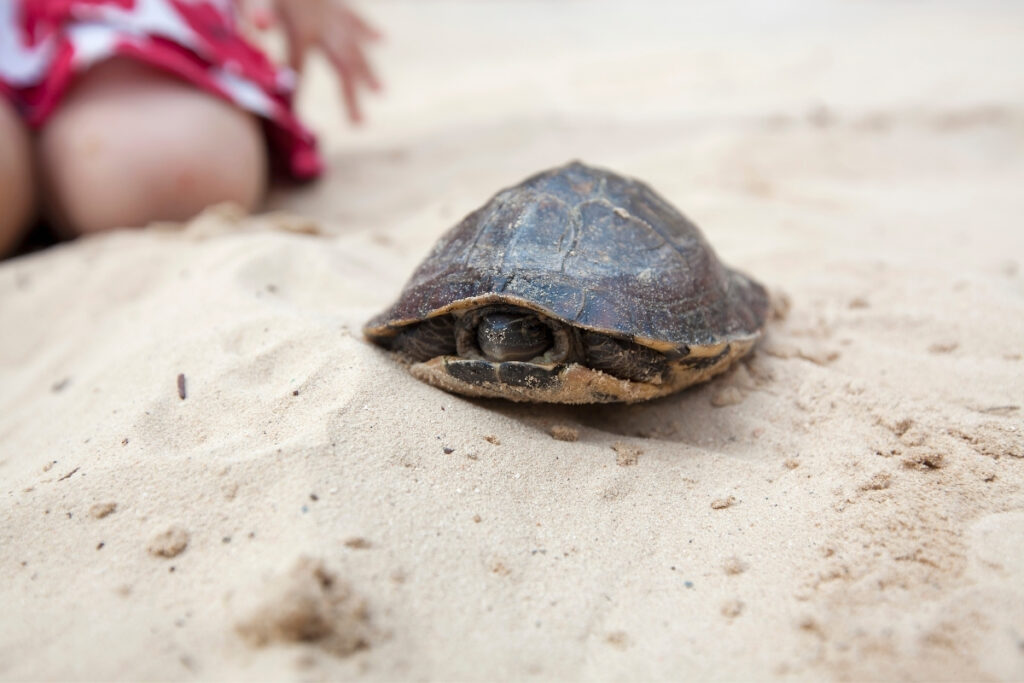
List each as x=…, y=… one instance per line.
x=506, y=333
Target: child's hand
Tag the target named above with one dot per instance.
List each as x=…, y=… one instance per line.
x=331, y=26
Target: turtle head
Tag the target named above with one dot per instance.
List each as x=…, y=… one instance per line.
x=505, y=333
x=512, y=335
x=494, y=333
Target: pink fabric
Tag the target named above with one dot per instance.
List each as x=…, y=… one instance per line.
x=44, y=43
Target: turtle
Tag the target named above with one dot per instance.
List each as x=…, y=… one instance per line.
x=577, y=285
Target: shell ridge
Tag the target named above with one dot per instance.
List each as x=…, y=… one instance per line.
x=483, y=223
x=583, y=303
x=676, y=248
x=515, y=230
x=576, y=224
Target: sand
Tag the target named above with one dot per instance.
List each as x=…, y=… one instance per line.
x=208, y=474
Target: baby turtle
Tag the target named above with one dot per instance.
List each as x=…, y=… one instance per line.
x=575, y=286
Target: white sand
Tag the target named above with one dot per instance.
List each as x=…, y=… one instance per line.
x=848, y=504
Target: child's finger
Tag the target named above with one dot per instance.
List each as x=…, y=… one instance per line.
x=359, y=25
x=348, y=89
x=343, y=49
x=297, y=45
x=348, y=86
x=362, y=68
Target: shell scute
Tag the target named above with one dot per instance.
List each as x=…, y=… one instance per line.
x=593, y=249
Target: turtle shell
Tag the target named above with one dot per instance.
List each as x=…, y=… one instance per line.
x=595, y=250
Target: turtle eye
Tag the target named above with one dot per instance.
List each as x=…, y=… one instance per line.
x=512, y=336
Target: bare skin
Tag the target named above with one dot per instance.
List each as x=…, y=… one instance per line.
x=333, y=28
x=130, y=145
x=17, y=200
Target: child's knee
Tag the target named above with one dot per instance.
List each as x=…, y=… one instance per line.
x=132, y=146
x=16, y=190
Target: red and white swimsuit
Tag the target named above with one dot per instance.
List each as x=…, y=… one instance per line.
x=44, y=43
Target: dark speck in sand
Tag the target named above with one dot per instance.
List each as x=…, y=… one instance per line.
x=447, y=450
x=181, y=387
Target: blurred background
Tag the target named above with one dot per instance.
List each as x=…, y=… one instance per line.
x=724, y=106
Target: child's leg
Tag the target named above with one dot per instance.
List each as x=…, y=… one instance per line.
x=16, y=186
x=130, y=145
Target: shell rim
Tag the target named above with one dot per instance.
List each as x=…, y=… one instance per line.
x=378, y=330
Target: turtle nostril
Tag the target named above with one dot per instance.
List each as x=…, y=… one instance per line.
x=512, y=336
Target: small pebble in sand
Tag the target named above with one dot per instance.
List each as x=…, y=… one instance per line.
x=101, y=510
x=858, y=302
x=182, y=394
x=358, y=543
x=726, y=396
x=898, y=426
x=734, y=565
x=619, y=639
x=925, y=460
x=564, y=433
x=626, y=455
x=722, y=503
x=914, y=437
x=943, y=347
x=732, y=609
x=230, y=490
x=818, y=355
x=490, y=438
x=878, y=482
x=810, y=625
x=791, y=464
x=777, y=348
x=169, y=543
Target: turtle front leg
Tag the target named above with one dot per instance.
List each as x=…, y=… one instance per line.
x=624, y=359
x=429, y=339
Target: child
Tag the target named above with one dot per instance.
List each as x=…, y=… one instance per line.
x=121, y=112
